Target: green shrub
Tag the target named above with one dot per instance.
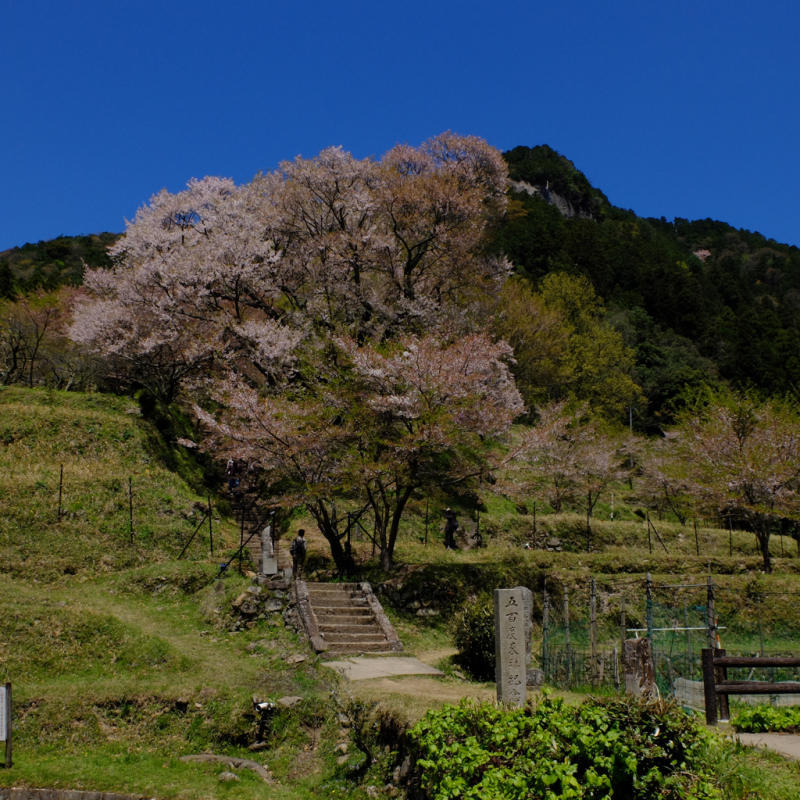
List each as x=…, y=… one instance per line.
x=474, y=638
x=613, y=748
x=758, y=719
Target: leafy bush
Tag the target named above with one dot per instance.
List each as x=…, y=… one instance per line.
x=758, y=719
x=474, y=638
x=614, y=748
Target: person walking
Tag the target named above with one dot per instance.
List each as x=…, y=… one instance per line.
x=297, y=549
x=450, y=528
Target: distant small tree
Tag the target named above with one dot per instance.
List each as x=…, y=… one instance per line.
x=663, y=481
x=33, y=347
x=743, y=459
x=572, y=456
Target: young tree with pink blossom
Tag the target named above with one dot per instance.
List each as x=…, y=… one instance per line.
x=571, y=456
x=743, y=461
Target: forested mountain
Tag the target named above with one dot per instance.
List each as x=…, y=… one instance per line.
x=695, y=299
x=53, y=263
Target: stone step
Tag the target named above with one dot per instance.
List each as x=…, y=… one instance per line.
x=342, y=649
x=374, y=637
x=337, y=601
x=345, y=592
x=333, y=621
x=338, y=627
x=334, y=588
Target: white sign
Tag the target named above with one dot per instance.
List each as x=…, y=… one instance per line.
x=3, y=713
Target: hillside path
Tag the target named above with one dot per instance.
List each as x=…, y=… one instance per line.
x=361, y=668
x=787, y=744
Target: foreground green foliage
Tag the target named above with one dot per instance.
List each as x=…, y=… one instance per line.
x=759, y=719
x=600, y=749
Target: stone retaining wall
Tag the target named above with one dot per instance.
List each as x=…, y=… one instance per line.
x=22, y=793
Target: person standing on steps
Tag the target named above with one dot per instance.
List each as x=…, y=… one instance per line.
x=450, y=528
x=298, y=553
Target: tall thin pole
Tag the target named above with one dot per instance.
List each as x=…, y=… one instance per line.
x=688, y=634
x=241, y=538
x=545, y=628
x=696, y=540
x=60, y=490
x=623, y=624
x=6, y=723
x=649, y=609
x=210, y=527
x=710, y=619
x=593, y=629
x=130, y=507
x=566, y=634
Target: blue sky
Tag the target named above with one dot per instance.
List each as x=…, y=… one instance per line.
x=686, y=109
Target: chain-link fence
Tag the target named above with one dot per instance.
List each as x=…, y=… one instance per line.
x=584, y=626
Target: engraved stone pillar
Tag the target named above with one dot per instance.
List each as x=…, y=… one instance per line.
x=269, y=564
x=513, y=619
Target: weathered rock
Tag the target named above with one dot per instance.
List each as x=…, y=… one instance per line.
x=290, y=701
x=535, y=678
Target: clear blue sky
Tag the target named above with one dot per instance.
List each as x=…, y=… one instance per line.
x=687, y=108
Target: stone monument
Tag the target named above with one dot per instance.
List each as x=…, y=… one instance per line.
x=269, y=564
x=513, y=620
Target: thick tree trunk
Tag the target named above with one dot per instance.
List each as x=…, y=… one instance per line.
x=401, y=499
x=763, y=545
x=329, y=529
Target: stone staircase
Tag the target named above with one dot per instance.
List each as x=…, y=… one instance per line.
x=345, y=619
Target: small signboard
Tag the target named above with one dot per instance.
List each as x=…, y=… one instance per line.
x=5, y=721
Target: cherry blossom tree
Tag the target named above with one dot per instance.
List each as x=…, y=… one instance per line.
x=663, y=481
x=376, y=426
x=570, y=455
x=428, y=408
x=328, y=314
x=743, y=459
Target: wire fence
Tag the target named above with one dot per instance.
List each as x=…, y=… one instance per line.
x=584, y=627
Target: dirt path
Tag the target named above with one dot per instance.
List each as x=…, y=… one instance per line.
x=787, y=744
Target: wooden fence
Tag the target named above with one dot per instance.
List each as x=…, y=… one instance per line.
x=717, y=687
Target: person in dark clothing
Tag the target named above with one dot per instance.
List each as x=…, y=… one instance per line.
x=298, y=553
x=450, y=528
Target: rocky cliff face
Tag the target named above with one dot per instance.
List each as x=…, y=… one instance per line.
x=566, y=208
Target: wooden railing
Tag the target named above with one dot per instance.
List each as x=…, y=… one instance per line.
x=717, y=687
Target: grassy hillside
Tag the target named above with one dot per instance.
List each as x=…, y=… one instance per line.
x=109, y=464
x=123, y=658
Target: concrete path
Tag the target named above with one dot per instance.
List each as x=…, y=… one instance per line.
x=787, y=744
x=359, y=669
